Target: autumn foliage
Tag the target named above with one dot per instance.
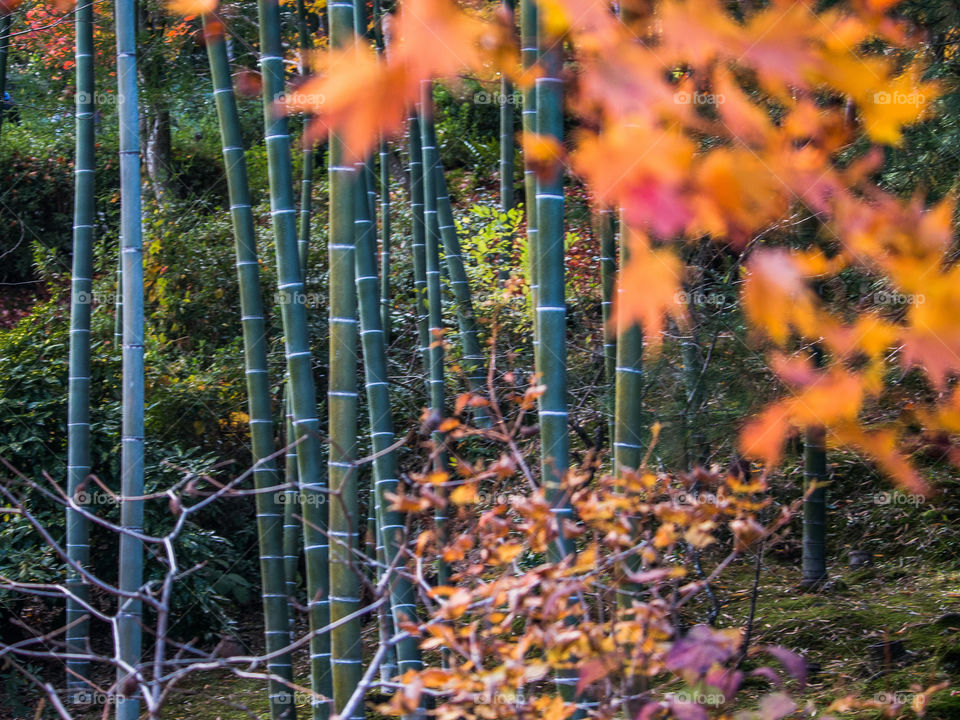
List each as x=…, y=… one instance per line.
x=694, y=121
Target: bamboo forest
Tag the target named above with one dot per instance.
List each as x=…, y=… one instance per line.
x=479, y=359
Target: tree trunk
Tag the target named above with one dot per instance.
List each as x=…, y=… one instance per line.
x=270, y=515
x=132, y=398
x=78, y=406
x=290, y=289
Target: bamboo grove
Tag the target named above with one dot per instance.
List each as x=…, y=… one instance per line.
x=309, y=480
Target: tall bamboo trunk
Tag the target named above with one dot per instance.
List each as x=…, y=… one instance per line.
x=306, y=177
x=78, y=405
x=529, y=55
x=551, y=313
x=551, y=298
x=389, y=527
x=473, y=360
x=418, y=245
x=695, y=446
x=385, y=229
x=290, y=289
x=815, y=501
x=292, y=531
x=342, y=400
x=506, y=131
x=269, y=510
x=132, y=396
x=434, y=302
x=606, y=233
x=628, y=413
x=628, y=418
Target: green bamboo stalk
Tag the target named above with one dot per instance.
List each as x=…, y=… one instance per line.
x=269, y=510
x=473, y=358
x=384, y=153
x=628, y=417
x=551, y=349
x=529, y=55
x=346, y=659
x=389, y=527
x=551, y=298
x=385, y=240
x=628, y=413
x=290, y=289
x=506, y=132
x=291, y=525
x=118, y=304
x=419, y=230
x=6, y=21
x=814, y=565
x=608, y=271
x=132, y=396
x=78, y=404
x=367, y=282
x=695, y=447
x=432, y=255
x=306, y=156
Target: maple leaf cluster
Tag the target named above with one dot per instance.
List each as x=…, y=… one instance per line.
x=604, y=618
x=695, y=122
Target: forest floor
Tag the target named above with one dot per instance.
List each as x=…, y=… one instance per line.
x=886, y=630
x=886, y=601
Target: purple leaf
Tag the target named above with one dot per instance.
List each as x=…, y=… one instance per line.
x=776, y=706
x=768, y=673
x=726, y=681
x=794, y=664
x=699, y=649
x=687, y=711
x=648, y=711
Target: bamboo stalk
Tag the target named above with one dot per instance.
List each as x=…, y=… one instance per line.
x=628, y=417
x=389, y=528
x=132, y=398
x=346, y=649
x=306, y=155
x=529, y=55
x=506, y=131
x=270, y=513
x=292, y=530
x=608, y=272
x=418, y=246
x=473, y=359
x=551, y=312
x=432, y=268
x=290, y=289
x=81, y=305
